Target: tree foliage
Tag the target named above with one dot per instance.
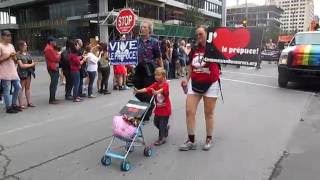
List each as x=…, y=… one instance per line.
x=193, y=15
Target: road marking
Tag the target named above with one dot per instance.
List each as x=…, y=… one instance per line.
x=264, y=85
x=251, y=83
x=250, y=74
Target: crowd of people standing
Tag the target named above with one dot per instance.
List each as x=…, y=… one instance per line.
x=81, y=65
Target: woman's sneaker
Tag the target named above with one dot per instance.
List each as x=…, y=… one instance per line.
x=188, y=145
x=207, y=145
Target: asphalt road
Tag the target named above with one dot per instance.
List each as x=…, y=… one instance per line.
x=66, y=141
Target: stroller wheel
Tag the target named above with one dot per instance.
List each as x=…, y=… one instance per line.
x=147, y=151
x=125, y=166
x=106, y=160
x=130, y=150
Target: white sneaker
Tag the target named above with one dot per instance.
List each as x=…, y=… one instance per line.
x=188, y=145
x=207, y=145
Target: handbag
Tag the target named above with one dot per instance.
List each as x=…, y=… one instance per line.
x=200, y=87
x=83, y=71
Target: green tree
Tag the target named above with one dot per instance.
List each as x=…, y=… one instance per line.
x=193, y=15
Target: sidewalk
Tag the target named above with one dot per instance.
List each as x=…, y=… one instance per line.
x=303, y=159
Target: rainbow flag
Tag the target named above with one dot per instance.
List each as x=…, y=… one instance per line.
x=306, y=55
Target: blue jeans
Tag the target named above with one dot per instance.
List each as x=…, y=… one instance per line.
x=166, y=67
x=76, y=83
x=54, y=76
x=92, y=76
x=6, y=84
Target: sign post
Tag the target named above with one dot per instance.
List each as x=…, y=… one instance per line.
x=126, y=20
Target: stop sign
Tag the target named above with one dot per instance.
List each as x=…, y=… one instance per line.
x=125, y=21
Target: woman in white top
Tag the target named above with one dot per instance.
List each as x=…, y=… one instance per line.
x=92, y=68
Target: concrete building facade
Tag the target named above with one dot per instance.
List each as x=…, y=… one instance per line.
x=257, y=16
x=297, y=14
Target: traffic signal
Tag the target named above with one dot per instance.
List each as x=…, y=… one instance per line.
x=244, y=23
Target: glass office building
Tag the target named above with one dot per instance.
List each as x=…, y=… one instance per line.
x=37, y=19
x=40, y=19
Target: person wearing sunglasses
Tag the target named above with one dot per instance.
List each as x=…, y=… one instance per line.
x=8, y=72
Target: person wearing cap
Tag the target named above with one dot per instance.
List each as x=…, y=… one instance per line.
x=52, y=57
x=8, y=72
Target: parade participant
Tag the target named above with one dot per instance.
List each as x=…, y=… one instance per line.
x=75, y=65
x=162, y=111
x=8, y=72
x=26, y=68
x=52, y=59
x=149, y=57
x=202, y=83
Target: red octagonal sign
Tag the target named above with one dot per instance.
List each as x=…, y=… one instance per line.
x=125, y=21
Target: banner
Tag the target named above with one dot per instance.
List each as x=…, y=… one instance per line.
x=270, y=55
x=123, y=52
x=239, y=46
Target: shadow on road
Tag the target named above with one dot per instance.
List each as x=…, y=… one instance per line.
x=305, y=86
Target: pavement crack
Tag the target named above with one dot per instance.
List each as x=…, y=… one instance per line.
x=277, y=167
x=14, y=175
x=5, y=162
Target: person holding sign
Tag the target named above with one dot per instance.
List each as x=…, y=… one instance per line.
x=202, y=83
x=148, y=59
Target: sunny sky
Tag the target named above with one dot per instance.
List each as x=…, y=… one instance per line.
x=234, y=2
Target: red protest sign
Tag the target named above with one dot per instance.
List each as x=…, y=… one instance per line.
x=125, y=21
